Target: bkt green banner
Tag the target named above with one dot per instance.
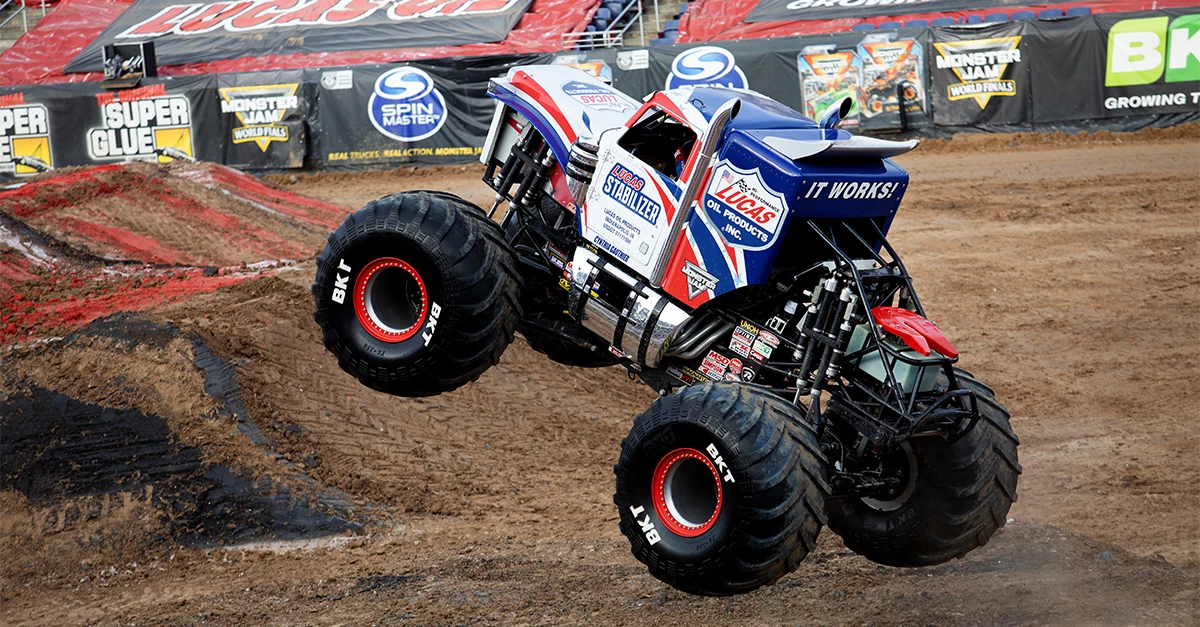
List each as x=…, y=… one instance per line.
x=1153, y=65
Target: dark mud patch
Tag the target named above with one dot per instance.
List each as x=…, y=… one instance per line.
x=63, y=453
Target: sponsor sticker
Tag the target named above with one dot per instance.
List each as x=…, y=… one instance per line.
x=698, y=281
x=761, y=351
x=143, y=124
x=735, y=366
x=768, y=338
x=625, y=187
x=706, y=66
x=260, y=109
x=335, y=80
x=741, y=206
x=981, y=66
x=24, y=137
x=596, y=97
x=633, y=60
x=714, y=365
x=406, y=105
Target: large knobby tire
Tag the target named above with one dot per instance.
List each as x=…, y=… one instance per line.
x=417, y=294
x=959, y=497
x=720, y=488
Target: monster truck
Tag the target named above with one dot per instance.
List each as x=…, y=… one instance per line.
x=732, y=254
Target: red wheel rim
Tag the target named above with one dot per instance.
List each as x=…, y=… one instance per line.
x=669, y=501
x=368, y=292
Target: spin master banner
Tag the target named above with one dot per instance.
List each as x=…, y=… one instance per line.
x=980, y=76
x=428, y=113
x=54, y=126
x=263, y=119
x=186, y=32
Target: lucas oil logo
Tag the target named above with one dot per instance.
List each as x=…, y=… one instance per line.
x=746, y=212
x=596, y=97
x=625, y=187
x=24, y=137
x=143, y=124
x=260, y=109
x=406, y=105
x=706, y=66
x=981, y=65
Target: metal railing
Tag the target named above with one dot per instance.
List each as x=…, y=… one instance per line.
x=22, y=11
x=612, y=36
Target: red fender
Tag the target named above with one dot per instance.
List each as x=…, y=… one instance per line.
x=917, y=332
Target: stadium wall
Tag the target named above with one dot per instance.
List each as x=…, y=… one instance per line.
x=1115, y=71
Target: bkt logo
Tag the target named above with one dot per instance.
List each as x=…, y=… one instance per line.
x=706, y=66
x=406, y=105
x=1141, y=51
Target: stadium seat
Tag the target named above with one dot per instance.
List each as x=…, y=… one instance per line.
x=591, y=28
x=973, y=19
x=996, y=17
x=600, y=24
x=862, y=27
x=603, y=14
x=614, y=7
x=916, y=24
x=671, y=25
x=1023, y=15
x=1078, y=11
x=889, y=25
x=943, y=21
x=683, y=9
x=1049, y=14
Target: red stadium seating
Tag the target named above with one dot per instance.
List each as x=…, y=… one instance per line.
x=40, y=55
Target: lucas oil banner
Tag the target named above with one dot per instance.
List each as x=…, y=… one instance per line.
x=189, y=32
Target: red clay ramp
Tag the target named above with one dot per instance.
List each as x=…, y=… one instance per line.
x=83, y=243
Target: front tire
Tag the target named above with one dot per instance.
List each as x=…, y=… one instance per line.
x=957, y=494
x=720, y=488
x=417, y=294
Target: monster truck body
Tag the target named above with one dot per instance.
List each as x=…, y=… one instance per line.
x=715, y=242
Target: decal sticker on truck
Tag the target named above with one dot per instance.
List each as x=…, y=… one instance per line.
x=746, y=212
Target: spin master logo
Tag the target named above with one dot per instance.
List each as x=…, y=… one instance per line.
x=706, y=66
x=406, y=105
x=143, y=124
x=981, y=65
x=24, y=137
x=260, y=109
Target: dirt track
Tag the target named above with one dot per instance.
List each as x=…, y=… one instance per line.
x=1066, y=274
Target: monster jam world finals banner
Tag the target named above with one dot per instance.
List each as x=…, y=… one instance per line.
x=263, y=119
x=790, y=10
x=186, y=32
x=981, y=76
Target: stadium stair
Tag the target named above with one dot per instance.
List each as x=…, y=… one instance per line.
x=15, y=26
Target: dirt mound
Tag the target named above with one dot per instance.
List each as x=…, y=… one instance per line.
x=82, y=243
x=134, y=445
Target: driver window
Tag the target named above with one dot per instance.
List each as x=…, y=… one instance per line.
x=661, y=142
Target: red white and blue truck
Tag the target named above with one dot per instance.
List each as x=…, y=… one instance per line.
x=730, y=253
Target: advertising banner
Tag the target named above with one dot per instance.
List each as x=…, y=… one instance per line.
x=980, y=76
x=195, y=32
x=430, y=113
x=789, y=10
x=1151, y=62
x=263, y=119
x=159, y=122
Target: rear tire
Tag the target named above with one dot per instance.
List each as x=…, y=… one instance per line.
x=960, y=496
x=720, y=488
x=417, y=294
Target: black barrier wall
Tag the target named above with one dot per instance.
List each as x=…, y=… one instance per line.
x=1117, y=71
